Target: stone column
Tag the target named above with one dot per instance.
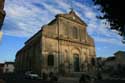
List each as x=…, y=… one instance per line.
x=82, y=61
x=70, y=61
x=55, y=62
x=44, y=60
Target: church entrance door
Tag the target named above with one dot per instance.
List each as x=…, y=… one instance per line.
x=76, y=63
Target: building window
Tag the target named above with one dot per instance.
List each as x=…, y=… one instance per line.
x=51, y=60
x=75, y=32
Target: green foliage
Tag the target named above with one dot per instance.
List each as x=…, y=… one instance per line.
x=113, y=11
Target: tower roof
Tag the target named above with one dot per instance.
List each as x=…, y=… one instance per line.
x=119, y=52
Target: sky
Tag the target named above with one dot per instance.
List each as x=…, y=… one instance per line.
x=25, y=17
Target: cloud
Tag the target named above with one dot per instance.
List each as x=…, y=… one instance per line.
x=112, y=41
x=87, y=10
x=96, y=27
x=63, y=4
x=23, y=18
x=51, y=9
x=26, y=17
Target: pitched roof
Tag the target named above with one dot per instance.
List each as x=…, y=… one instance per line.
x=73, y=17
x=9, y=62
x=119, y=52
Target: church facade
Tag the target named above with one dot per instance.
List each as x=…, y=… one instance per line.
x=63, y=45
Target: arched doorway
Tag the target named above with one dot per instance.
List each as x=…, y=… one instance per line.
x=76, y=62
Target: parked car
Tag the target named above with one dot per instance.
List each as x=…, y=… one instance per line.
x=31, y=75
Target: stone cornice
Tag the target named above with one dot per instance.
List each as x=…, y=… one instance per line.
x=67, y=40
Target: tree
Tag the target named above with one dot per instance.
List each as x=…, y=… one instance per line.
x=2, y=13
x=113, y=12
x=2, y=16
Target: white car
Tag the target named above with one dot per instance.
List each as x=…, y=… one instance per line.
x=31, y=75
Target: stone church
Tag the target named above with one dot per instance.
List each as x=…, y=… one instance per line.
x=63, y=45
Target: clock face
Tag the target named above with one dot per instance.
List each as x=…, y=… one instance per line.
x=73, y=18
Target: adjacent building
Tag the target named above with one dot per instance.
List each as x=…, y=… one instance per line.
x=1, y=68
x=63, y=45
x=118, y=58
x=8, y=67
x=113, y=66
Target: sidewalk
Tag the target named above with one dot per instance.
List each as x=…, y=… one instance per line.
x=68, y=80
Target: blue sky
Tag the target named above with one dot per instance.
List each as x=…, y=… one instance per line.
x=25, y=17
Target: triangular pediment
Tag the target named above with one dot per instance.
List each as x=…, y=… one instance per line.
x=73, y=17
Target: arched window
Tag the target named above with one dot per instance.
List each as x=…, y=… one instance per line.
x=75, y=32
x=50, y=60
